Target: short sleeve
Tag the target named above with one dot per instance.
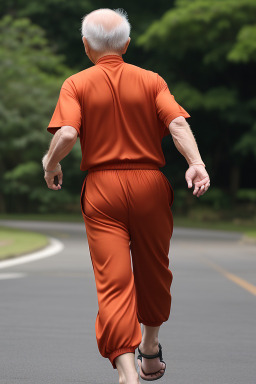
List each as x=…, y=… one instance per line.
x=166, y=106
x=67, y=110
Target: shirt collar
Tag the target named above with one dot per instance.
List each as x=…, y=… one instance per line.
x=109, y=59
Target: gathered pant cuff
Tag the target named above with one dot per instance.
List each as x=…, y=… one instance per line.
x=119, y=352
x=150, y=324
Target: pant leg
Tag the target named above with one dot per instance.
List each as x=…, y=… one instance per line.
x=104, y=208
x=151, y=228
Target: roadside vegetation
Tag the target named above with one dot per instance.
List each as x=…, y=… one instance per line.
x=195, y=219
x=17, y=242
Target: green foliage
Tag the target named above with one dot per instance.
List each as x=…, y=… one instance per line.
x=203, y=25
x=61, y=21
x=245, y=48
x=247, y=144
x=201, y=48
x=247, y=195
x=216, y=198
x=31, y=77
x=22, y=178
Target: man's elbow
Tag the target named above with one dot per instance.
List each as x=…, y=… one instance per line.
x=178, y=123
x=68, y=133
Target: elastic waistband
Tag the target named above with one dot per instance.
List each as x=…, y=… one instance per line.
x=124, y=165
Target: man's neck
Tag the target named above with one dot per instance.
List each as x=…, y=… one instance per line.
x=96, y=56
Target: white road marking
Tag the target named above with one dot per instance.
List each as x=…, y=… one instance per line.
x=54, y=247
x=5, y=276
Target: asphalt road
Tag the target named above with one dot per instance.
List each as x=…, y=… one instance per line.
x=47, y=313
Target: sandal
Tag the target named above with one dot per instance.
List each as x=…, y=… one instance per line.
x=159, y=354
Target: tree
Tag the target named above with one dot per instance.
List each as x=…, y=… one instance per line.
x=31, y=77
x=206, y=51
x=61, y=21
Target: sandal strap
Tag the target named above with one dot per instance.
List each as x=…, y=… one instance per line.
x=158, y=354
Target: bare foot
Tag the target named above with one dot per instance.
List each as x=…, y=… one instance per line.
x=150, y=368
x=126, y=368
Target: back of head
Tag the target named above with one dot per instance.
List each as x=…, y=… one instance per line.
x=106, y=29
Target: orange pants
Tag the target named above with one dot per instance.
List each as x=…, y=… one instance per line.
x=127, y=214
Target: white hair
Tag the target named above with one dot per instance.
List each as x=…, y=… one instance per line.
x=103, y=39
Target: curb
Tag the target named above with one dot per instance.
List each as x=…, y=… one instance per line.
x=53, y=248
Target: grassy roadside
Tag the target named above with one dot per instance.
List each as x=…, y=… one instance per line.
x=68, y=217
x=16, y=242
x=247, y=227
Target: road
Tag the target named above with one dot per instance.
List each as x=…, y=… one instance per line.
x=48, y=312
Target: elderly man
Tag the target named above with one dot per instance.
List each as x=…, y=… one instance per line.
x=121, y=113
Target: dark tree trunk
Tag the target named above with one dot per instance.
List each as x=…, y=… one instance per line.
x=2, y=203
x=234, y=181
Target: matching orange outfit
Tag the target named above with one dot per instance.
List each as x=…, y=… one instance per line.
x=121, y=113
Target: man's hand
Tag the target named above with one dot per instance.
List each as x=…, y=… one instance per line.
x=197, y=175
x=49, y=178
x=61, y=144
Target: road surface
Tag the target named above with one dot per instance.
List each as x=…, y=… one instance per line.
x=48, y=309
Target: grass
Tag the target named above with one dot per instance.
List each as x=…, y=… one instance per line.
x=65, y=217
x=16, y=242
x=251, y=234
x=245, y=226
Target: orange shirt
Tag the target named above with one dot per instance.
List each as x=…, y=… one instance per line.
x=120, y=111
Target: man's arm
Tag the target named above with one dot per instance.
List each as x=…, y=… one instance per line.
x=60, y=146
x=185, y=142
